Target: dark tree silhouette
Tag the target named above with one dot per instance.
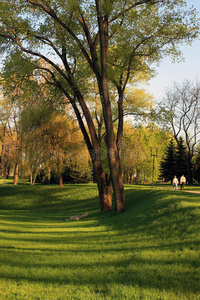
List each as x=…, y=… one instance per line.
x=167, y=165
x=181, y=167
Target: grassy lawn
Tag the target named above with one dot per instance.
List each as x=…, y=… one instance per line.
x=152, y=251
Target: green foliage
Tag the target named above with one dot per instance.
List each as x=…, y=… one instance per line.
x=138, y=34
x=70, y=174
x=136, y=152
x=149, y=252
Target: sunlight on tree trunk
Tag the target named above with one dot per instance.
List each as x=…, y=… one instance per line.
x=16, y=173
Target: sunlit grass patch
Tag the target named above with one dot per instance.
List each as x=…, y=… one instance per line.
x=149, y=252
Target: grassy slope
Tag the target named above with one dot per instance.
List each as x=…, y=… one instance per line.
x=149, y=252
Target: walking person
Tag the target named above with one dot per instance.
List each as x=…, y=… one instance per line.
x=175, y=183
x=182, y=182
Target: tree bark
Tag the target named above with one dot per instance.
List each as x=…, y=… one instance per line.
x=104, y=187
x=60, y=180
x=16, y=174
x=113, y=155
x=120, y=120
x=34, y=179
x=93, y=145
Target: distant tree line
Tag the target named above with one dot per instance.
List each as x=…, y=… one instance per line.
x=180, y=112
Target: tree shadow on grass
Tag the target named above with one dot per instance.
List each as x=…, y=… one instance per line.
x=72, y=199
x=154, y=244
x=99, y=268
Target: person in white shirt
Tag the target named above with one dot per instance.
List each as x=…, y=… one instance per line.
x=175, y=183
x=182, y=182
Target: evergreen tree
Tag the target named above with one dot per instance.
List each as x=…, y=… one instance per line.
x=180, y=159
x=197, y=166
x=168, y=164
x=197, y=174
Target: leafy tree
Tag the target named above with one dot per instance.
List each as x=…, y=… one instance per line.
x=46, y=130
x=108, y=41
x=11, y=133
x=51, y=138
x=136, y=152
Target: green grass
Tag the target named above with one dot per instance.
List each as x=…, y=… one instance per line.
x=152, y=251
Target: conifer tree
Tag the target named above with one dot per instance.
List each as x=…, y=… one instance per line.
x=197, y=166
x=168, y=164
x=180, y=159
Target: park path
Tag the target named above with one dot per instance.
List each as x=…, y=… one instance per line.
x=170, y=188
x=194, y=192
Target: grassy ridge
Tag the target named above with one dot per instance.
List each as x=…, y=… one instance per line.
x=149, y=252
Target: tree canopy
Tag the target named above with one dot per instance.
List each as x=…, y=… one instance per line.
x=113, y=42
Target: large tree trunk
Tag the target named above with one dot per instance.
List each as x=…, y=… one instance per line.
x=113, y=154
x=117, y=180
x=99, y=175
x=93, y=144
x=105, y=193
x=104, y=185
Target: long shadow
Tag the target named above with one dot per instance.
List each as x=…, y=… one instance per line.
x=134, y=270
x=124, y=257
x=49, y=199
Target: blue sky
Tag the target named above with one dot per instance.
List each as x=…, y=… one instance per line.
x=169, y=72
